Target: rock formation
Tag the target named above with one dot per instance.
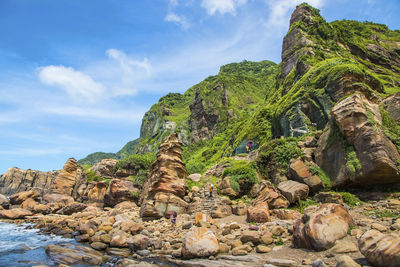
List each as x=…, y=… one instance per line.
x=165, y=184
x=69, y=179
x=380, y=249
x=354, y=149
x=319, y=230
x=17, y=180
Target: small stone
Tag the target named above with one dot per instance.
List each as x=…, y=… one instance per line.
x=344, y=246
x=346, y=261
x=306, y=262
x=277, y=230
x=379, y=227
x=267, y=238
x=239, y=252
x=187, y=225
x=236, y=243
x=263, y=249
x=281, y=262
x=318, y=263
x=356, y=232
x=143, y=252
x=98, y=245
x=223, y=248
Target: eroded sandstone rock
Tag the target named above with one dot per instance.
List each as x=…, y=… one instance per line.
x=69, y=179
x=165, y=185
x=382, y=250
x=270, y=195
x=199, y=242
x=320, y=229
x=16, y=213
x=293, y=191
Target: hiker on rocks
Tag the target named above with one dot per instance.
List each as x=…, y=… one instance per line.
x=210, y=188
x=172, y=216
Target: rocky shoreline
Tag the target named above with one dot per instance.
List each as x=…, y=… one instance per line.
x=277, y=228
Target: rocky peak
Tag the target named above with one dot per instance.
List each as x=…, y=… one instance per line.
x=304, y=13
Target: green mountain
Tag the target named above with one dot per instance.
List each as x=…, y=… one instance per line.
x=322, y=65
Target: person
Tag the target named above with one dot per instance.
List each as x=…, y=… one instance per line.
x=211, y=190
x=172, y=216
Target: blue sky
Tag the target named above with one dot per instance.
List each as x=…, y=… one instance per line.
x=76, y=76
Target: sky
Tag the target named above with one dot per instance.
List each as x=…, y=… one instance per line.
x=77, y=76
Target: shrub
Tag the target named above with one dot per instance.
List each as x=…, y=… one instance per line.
x=316, y=170
x=137, y=161
x=241, y=171
x=350, y=199
x=353, y=164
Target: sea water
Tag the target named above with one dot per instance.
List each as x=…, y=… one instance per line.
x=22, y=247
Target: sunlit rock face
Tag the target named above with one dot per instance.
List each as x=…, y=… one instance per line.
x=165, y=185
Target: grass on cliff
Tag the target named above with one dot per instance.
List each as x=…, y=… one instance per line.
x=239, y=172
x=277, y=154
x=91, y=175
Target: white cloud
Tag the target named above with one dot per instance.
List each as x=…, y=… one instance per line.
x=75, y=83
x=222, y=6
x=173, y=3
x=31, y=152
x=178, y=19
x=97, y=113
x=280, y=10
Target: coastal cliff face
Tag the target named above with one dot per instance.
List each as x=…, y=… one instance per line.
x=17, y=180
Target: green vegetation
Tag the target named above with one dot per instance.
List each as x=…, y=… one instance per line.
x=278, y=152
x=385, y=213
x=240, y=173
x=353, y=164
x=137, y=161
x=316, y=170
x=350, y=199
x=96, y=157
x=391, y=129
x=302, y=204
x=91, y=175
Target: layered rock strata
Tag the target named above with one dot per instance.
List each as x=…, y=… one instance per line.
x=165, y=185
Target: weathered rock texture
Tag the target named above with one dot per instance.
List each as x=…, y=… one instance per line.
x=355, y=126
x=272, y=197
x=165, y=184
x=293, y=191
x=120, y=190
x=200, y=242
x=17, y=180
x=69, y=179
x=105, y=168
x=320, y=229
x=380, y=249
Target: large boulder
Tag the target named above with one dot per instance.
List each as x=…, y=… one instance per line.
x=58, y=198
x=105, y=168
x=69, y=179
x=199, y=242
x=354, y=149
x=300, y=172
x=258, y=213
x=29, y=204
x=293, y=191
x=16, y=213
x=165, y=185
x=320, y=229
x=95, y=192
x=71, y=254
x=20, y=197
x=72, y=208
x=4, y=202
x=120, y=190
x=272, y=197
x=381, y=250
x=17, y=180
